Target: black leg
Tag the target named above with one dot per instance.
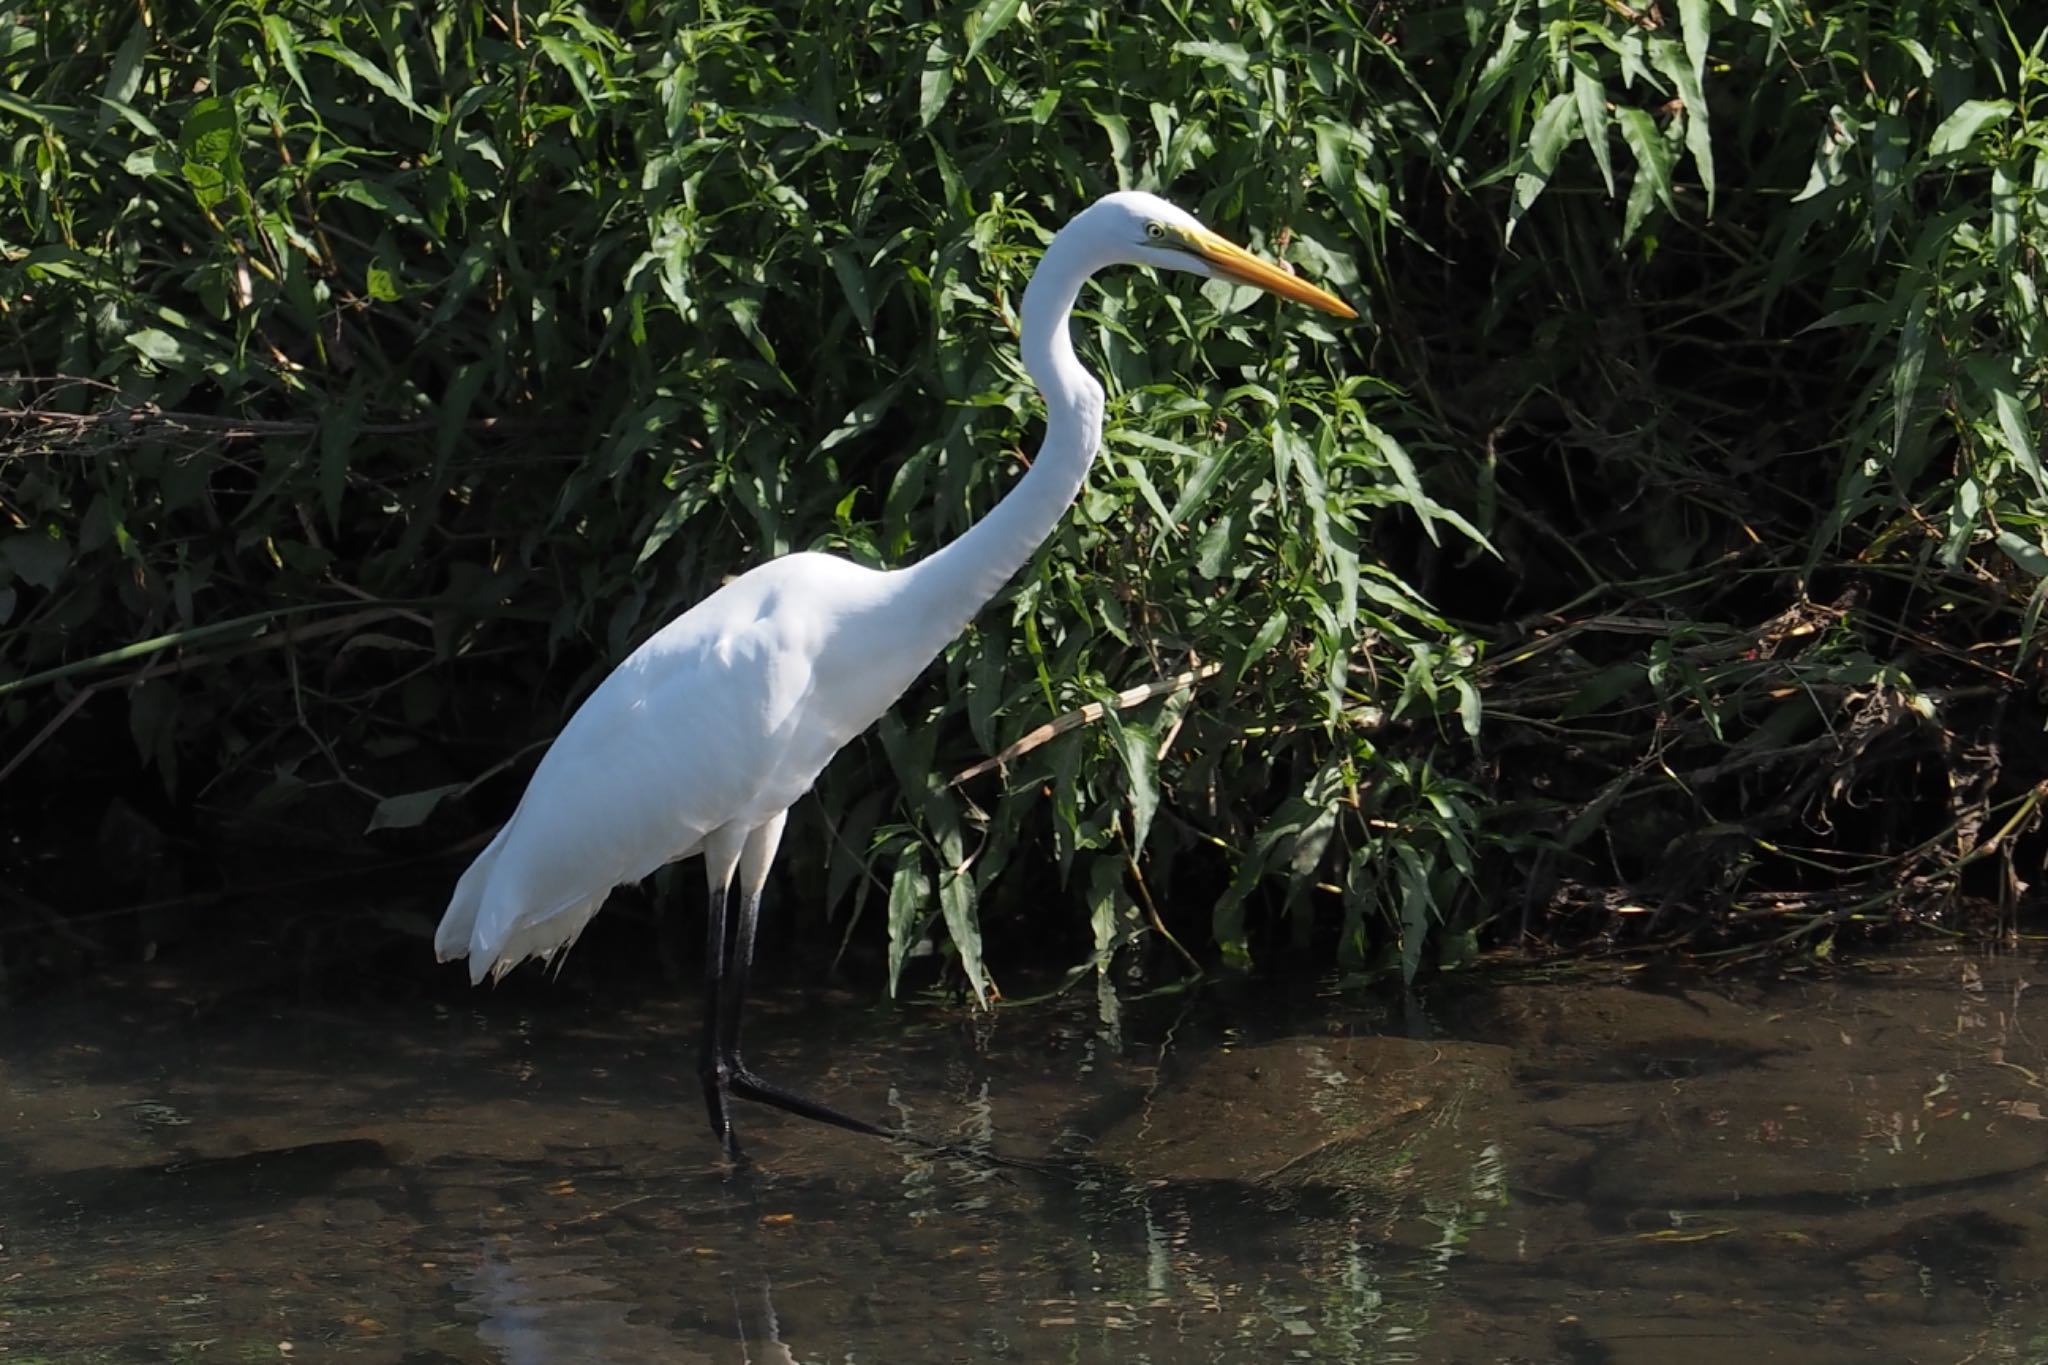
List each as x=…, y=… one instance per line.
x=725, y=992
x=744, y=1082
x=712, y=1068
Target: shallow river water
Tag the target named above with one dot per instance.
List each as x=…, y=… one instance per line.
x=1841, y=1168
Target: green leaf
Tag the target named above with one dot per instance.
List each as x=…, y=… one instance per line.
x=1206, y=472
x=1592, y=102
x=1500, y=67
x=411, y=809
x=278, y=34
x=1262, y=643
x=986, y=22
x=1994, y=382
x=137, y=120
x=956, y=902
x=1699, y=141
x=853, y=283
x=864, y=417
x=456, y=406
x=1468, y=706
x=934, y=82
x=1118, y=129
x=1417, y=905
x=1960, y=129
x=368, y=70
x=2028, y=554
x=910, y=891
x=151, y=161
x=1547, y=141
x=572, y=62
x=38, y=560
x=1695, y=19
x=124, y=77
x=1230, y=56
x=1405, y=477
x=1217, y=548
x=380, y=196
x=1138, y=745
x=1134, y=470
x=1907, y=362
x=1227, y=922
x=337, y=445
x=158, y=345
x=1654, y=159
x=1321, y=802
x=209, y=185
x=211, y=134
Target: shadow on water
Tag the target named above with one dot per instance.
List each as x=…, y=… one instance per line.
x=1580, y=1171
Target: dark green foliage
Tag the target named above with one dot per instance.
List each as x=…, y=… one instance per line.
x=386, y=373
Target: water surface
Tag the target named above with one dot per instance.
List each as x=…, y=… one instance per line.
x=1820, y=1169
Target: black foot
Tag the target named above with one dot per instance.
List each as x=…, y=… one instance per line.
x=717, y=1079
x=749, y=1086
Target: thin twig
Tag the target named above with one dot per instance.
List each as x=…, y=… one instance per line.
x=291, y=664
x=1647, y=22
x=147, y=415
x=1152, y=911
x=286, y=635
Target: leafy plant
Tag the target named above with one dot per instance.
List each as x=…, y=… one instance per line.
x=381, y=378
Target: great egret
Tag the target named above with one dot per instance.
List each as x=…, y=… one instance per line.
x=702, y=739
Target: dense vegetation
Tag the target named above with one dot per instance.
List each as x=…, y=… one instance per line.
x=1662, y=555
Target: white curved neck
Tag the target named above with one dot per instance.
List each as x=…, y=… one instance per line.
x=949, y=586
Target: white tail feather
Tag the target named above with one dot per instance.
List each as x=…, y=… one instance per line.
x=458, y=922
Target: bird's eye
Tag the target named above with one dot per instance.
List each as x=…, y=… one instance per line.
x=1156, y=231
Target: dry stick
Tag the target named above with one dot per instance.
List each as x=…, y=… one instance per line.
x=1152, y=911
x=266, y=889
x=49, y=916
x=69, y=710
x=1635, y=16
x=284, y=636
x=1088, y=715
x=291, y=664
x=148, y=415
x=1180, y=717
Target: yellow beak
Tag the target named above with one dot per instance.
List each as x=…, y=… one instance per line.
x=1233, y=262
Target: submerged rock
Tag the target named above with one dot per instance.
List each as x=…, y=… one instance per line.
x=1352, y=1113
x=1712, y=1097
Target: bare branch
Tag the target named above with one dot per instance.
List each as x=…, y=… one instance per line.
x=1088, y=715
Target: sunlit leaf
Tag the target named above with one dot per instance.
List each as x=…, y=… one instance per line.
x=935, y=81
x=1139, y=747
x=1547, y=140
x=909, y=905
x=1654, y=161
x=989, y=19
x=1679, y=68
x=1961, y=128
x=1230, y=56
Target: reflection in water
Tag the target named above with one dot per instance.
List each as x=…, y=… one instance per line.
x=1842, y=1169
x=539, y=1307
x=536, y=1305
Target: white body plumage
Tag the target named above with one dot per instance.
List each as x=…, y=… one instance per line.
x=718, y=723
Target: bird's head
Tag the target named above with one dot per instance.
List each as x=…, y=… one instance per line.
x=1136, y=228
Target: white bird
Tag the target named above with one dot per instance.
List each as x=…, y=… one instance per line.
x=706, y=735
